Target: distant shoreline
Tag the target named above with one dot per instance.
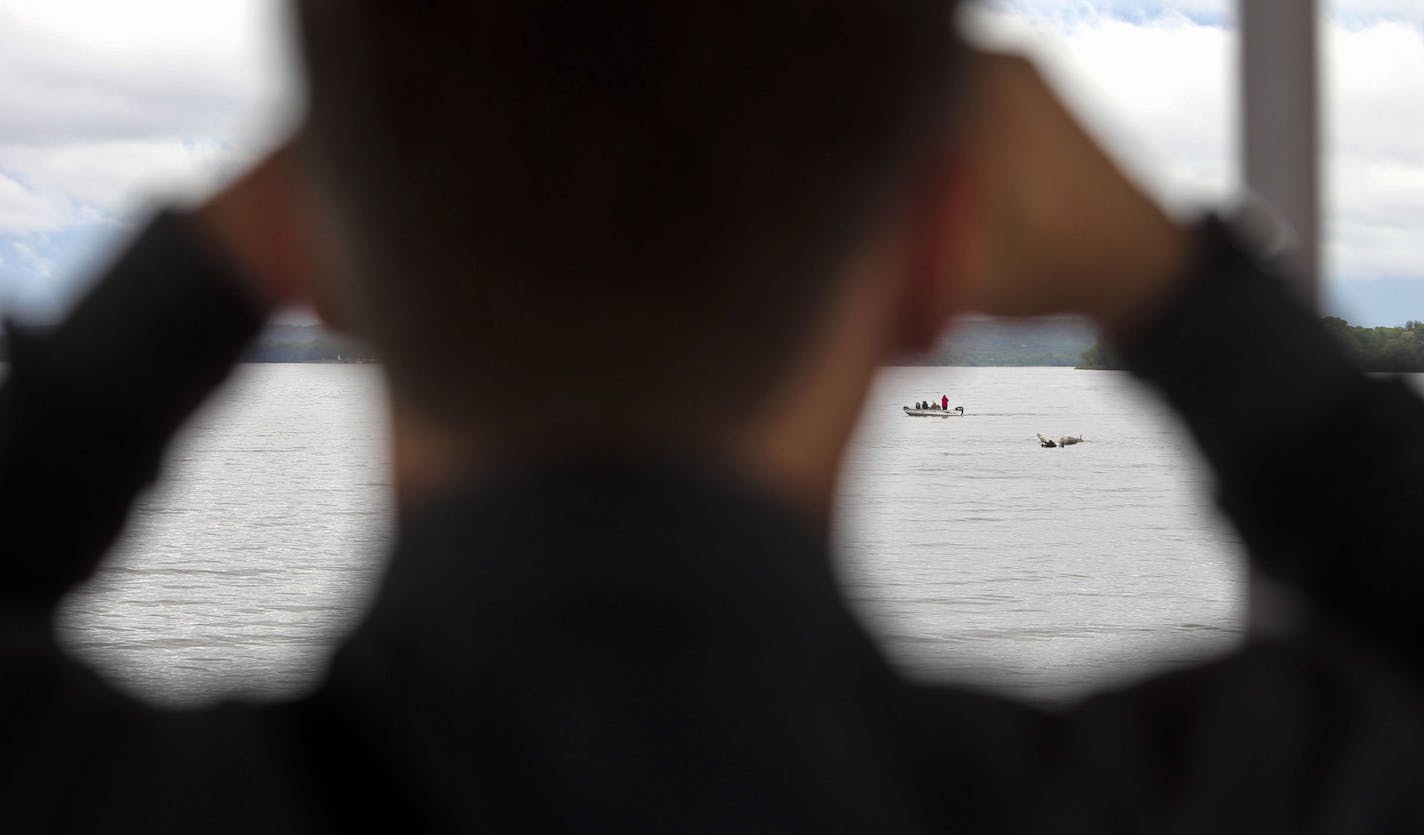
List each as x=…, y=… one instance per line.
x=972, y=343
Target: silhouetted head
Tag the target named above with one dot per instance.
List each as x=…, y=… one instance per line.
x=640, y=204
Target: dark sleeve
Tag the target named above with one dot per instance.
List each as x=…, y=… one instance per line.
x=85, y=413
x=87, y=408
x=1319, y=466
x=1321, y=469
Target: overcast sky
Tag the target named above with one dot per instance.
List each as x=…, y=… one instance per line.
x=109, y=108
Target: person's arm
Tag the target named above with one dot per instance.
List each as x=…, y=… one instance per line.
x=85, y=412
x=87, y=408
x=1320, y=467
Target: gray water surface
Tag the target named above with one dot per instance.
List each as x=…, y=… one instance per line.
x=970, y=551
x=975, y=553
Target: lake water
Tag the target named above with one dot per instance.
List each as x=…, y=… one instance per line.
x=970, y=551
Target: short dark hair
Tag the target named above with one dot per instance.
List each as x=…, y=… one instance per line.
x=621, y=207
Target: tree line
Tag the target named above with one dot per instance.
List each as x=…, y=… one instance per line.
x=283, y=343
x=1381, y=349
x=305, y=343
x=1372, y=349
x=1053, y=341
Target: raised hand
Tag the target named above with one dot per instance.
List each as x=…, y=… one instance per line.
x=261, y=222
x=1056, y=227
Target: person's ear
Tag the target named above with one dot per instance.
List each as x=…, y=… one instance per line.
x=939, y=247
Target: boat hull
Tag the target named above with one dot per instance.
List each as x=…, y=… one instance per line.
x=958, y=411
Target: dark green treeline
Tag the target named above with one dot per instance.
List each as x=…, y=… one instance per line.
x=1373, y=349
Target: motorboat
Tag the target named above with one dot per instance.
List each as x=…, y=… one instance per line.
x=957, y=411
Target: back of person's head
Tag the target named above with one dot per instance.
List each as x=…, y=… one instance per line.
x=641, y=204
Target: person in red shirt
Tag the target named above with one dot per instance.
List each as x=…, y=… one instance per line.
x=944, y=401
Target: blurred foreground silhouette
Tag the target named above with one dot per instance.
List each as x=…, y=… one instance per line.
x=614, y=610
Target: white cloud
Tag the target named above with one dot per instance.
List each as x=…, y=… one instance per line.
x=24, y=209
x=1353, y=11
x=110, y=106
x=1161, y=91
x=1157, y=92
x=1222, y=11
x=103, y=99
x=83, y=181
x=1136, y=10
x=80, y=70
x=1375, y=151
x=38, y=265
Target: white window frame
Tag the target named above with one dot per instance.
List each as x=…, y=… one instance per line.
x=1280, y=154
x=1280, y=123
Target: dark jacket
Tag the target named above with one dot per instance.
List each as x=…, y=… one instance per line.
x=621, y=646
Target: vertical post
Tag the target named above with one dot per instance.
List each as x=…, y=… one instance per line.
x=1280, y=146
x=1280, y=124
